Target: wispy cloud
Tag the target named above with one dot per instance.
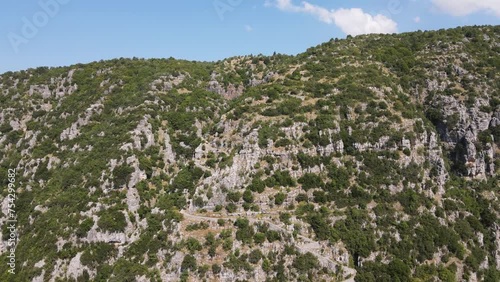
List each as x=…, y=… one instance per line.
x=352, y=21
x=417, y=19
x=248, y=28
x=466, y=7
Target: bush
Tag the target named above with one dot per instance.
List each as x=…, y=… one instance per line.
x=259, y=238
x=193, y=245
x=185, y=179
x=245, y=232
x=306, y=262
x=248, y=196
x=121, y=175
x=189, y=263
x=320, y=226
x=285, y=218
x=310, y=181
x=255, y=256
x=96, y=254
x=4, y=128
x=283, y=178
x=320, y=197
x=216, y=269
x=233, y=197
x=112, y=220
x=220, y=222
x=302, y=197
x=265, y=133
x=257, y=185
x=273, y=236
x=279, y=198
x=230, y=208
x=84, y=227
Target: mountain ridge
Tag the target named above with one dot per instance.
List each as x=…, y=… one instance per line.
x=369, y=158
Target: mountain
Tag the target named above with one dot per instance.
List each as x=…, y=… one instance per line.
x=370, y=158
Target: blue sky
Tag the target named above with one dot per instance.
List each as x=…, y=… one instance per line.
x=65, y=32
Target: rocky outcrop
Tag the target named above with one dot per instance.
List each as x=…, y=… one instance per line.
x=436, y=159
x=75, y=267
x=43, y=90
x=231, y=91
x=137, y=175
x=144, y=129
x=497, y=245
x=166, y=150
x=113, y=238
x=167, y=83
x=460, y=129
x=74, y=130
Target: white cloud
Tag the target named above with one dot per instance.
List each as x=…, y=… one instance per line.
x=466, y=7
x=248, y=28
x=352, y=21
x=417, y=19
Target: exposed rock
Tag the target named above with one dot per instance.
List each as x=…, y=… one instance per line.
x=53, y=162
x=74, y=130
x=75, y=267
x=39, y=278
x=133, y=200
x=230, y=92
x=40, y=89
x=166, y=83
x=144, y=128
x=106, y=237
x=497, y=244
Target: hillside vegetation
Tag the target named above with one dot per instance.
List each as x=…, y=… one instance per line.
x=373, y=158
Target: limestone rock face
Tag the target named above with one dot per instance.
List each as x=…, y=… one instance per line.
x=230, y=92
x=42, y=90
x=461, y=129
x=74, y=130
x=143, y=129
x=112, y=238
x=497, y=242
x=75, y=267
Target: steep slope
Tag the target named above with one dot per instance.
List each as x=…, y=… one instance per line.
x=371, y=158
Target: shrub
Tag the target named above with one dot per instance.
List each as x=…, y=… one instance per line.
x=285, y=218
x=283, y=178
x=85, y=227
x=248, y=196
x=193, y=245
x=306, y=262
x=112, y=220
x=216, y=269
x=259, y=238
x=257, y=185
x=310, y=180
x=189, y=263
x=197, y=226
x=233, y=197
x=273, y=235
x=245, y=232
x=302, y=197
x=255, y=256
x=230, y=208
x=121, y=175
x=279, y=198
